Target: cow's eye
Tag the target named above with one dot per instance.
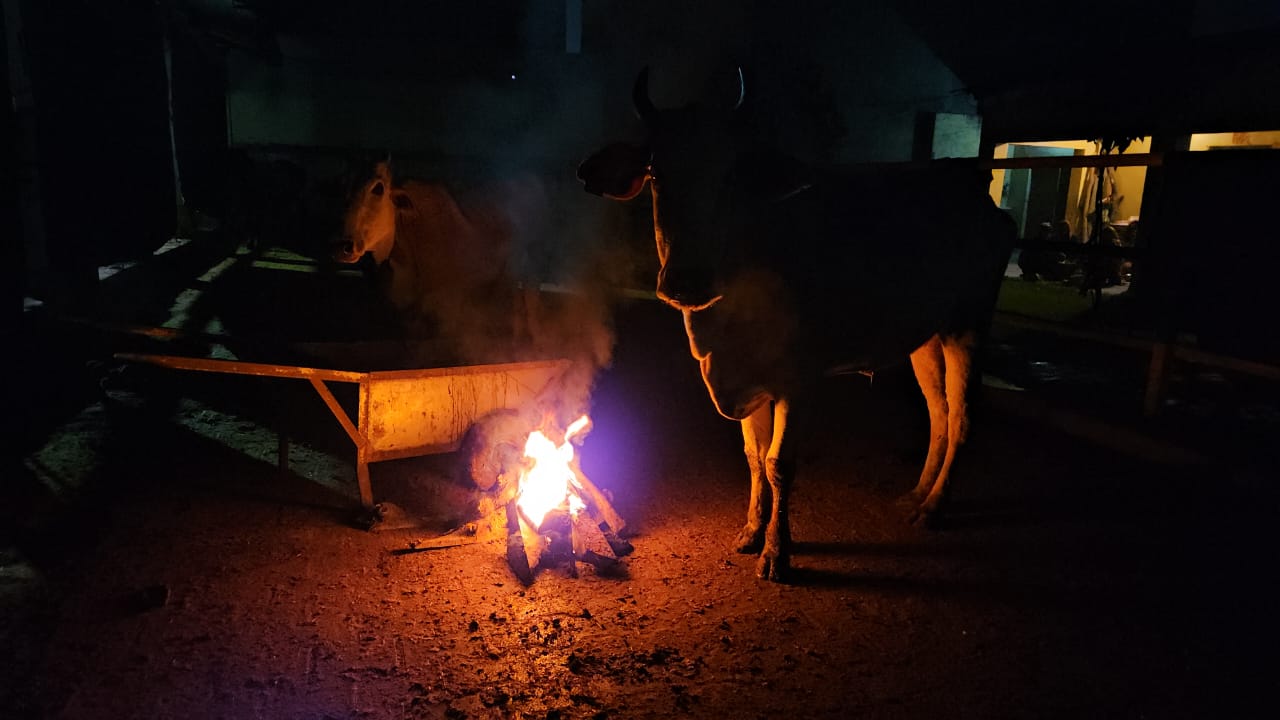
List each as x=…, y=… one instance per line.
x=376, y=190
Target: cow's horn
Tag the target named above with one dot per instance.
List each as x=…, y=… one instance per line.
x=742, y=90
x=640, y=96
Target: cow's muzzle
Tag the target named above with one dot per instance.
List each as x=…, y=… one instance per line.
x=688, y=289
x=345, y=252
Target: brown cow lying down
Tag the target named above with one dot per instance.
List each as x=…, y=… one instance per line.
x=785, y=274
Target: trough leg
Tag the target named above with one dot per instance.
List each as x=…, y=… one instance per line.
x=282, y=434
x=282, y=451
x=353, y=432
x=362, y=478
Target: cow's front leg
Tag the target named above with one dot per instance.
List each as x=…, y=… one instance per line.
x=779, y=463
x=757, y=434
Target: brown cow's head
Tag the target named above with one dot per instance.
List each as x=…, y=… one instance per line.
x=690, y=163
x=370, y=223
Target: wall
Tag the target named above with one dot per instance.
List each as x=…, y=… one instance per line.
x=837, y=82
x=842, y=82
x=1131, y=181
x=493, y=96
x=956, y=135
x=96, y=158
x=880, y=74
x=1207, y=141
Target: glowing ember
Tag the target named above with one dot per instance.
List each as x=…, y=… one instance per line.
x=550, y=481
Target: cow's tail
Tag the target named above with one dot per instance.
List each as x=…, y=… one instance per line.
x=1000, y=233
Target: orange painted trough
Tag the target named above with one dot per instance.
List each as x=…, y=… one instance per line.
x=402, y=413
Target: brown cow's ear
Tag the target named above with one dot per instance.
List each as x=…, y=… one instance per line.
x=401, y=200
x=617, y=171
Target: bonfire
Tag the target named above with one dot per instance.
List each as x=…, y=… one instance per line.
x=535, y=494
x=552, y=495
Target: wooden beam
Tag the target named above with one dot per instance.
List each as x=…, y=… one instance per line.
x=1074, y=161
x=1248, y=367
x=236, y=367
x=339, y=413
x=1029, y=323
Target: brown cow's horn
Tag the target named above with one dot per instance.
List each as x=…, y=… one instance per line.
x=640, y=96
x=742, y=90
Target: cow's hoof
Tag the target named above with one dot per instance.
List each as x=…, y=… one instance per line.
x=924, y=518
x=773, y=569
x=909, y=501
x=750, y=540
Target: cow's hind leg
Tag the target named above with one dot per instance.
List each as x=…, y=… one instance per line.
x=929, y=364
x=958, y=355
x=757, y=434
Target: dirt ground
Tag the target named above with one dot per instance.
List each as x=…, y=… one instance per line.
x=156, y=564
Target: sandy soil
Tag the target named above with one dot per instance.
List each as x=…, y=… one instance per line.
x=187, y=578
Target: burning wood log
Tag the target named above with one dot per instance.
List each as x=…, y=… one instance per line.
x=538, y=500
x=517, y=546
x=552, y=495
x=465, y=535
x=601, y=510
x=603, y=564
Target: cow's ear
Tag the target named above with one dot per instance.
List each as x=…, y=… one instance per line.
x=401, y=200
x=617, y=171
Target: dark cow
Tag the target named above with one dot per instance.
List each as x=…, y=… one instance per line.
x=447, y=261
x=786, y=273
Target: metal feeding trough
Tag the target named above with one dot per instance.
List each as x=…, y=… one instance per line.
x=402, y=413
x=408, y=413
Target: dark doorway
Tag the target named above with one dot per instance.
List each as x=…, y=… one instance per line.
x=1037, y=195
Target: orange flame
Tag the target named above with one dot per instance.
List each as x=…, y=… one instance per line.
x=550, y=480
